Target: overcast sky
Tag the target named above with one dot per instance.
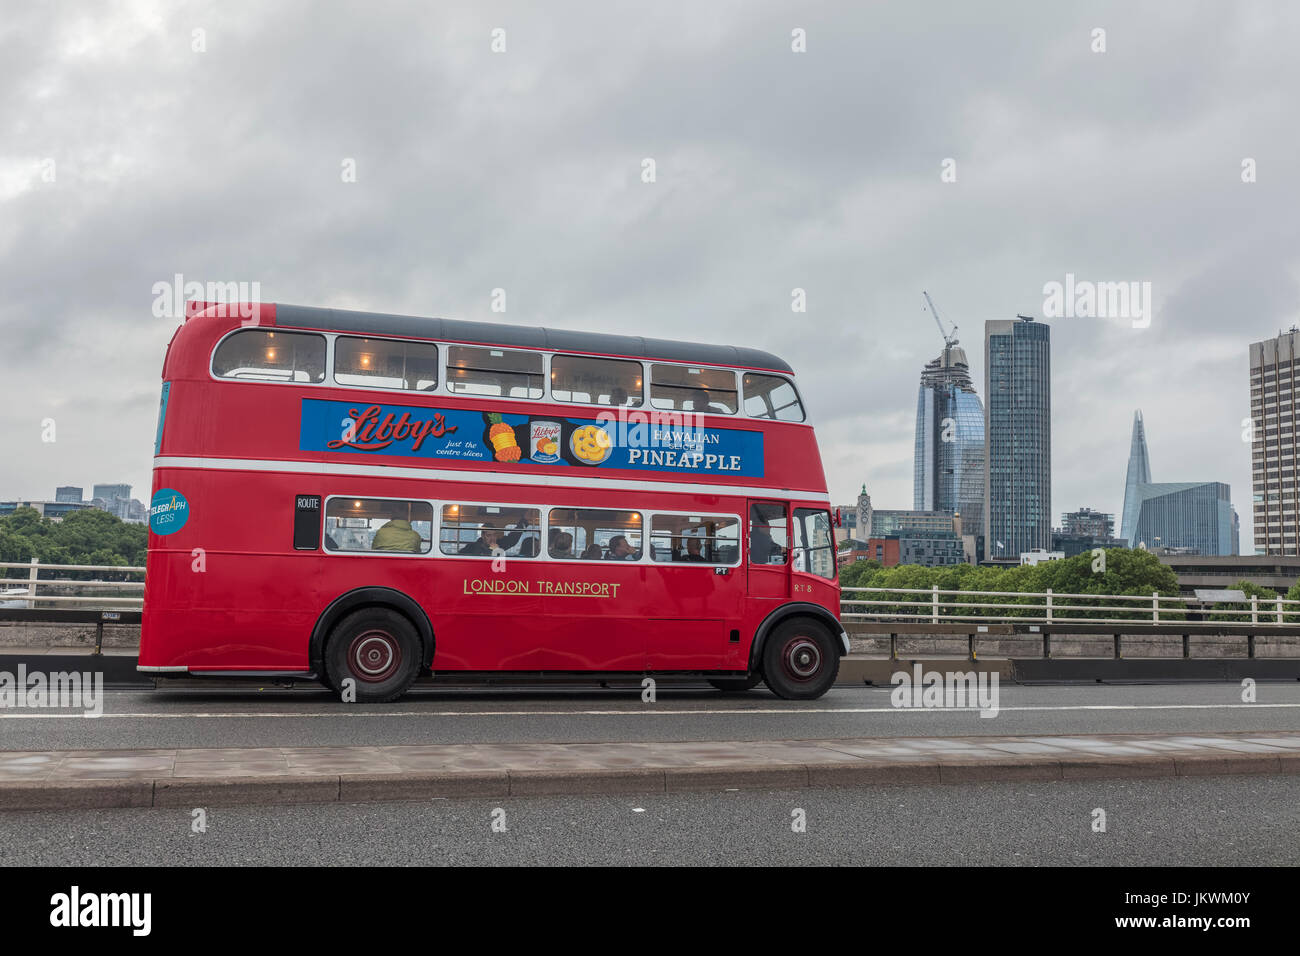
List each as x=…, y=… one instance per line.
x=775, y=170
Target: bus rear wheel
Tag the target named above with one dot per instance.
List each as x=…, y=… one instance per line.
x=735, y=684
x=800, y=659
x=377, y=649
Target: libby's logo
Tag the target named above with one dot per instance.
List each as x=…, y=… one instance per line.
x=371, y=429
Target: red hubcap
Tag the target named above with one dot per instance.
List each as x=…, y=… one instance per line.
x=374, y=656
x=801, y=658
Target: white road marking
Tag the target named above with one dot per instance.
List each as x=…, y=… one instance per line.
x=632, y=713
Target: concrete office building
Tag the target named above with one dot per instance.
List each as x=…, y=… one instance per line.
x=848, y=516
x=1274, y=364
x=927, y=548
x=1017, y=438
x=1085, y=521
x=117, y=501
x=110, y=492
x=936, y=537
x=1200, y=571
x=68, y=493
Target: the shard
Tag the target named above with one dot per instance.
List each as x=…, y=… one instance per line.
x=1139, y=473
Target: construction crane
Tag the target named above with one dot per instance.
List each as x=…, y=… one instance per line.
x=949, y=339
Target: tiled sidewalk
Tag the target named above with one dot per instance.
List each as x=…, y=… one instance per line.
x=62, y=779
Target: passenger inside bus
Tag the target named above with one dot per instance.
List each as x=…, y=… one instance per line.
x=378, y=524
x=620, y=550
x=592, y=553
x=481, y=531
x=562, y=545
x=692, y=550
x=490, y=539
x=396, y=534
x=704, y=402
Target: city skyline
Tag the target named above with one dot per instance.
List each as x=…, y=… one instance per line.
x=1138, y=461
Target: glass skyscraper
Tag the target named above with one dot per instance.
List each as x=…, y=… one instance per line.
x=1018, y=437
x=1186, y=514
x=948, y=462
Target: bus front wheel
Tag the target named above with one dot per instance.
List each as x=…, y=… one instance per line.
x=377, y=650
x=800, y=659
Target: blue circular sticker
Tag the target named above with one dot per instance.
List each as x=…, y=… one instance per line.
x=168, y=511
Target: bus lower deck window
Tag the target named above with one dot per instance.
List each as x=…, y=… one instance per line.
x=481, y=531
x=595, y=534
x=378, y=525
x=695, y=539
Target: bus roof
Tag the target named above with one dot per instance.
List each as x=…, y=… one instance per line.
x=523, y=336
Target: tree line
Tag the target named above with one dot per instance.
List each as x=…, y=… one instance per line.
x=1122, y=571
x=83, y=537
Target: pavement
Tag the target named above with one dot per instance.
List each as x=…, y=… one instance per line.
x=47, y=780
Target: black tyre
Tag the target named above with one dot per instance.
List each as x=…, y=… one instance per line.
x=378, y=649
x=801, y=659
x=732, y=685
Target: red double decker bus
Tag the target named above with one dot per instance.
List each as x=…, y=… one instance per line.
x=365, y=499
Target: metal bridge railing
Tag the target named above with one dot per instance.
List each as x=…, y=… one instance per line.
x=937, y=606
x=36, y=591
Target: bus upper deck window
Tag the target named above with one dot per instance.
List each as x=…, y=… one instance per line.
x=266, y=356
x=386, y=363
x=684, y=388
x=770, y=396
x=495, y=373
x=596, y=381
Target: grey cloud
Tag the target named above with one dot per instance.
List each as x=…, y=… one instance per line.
x=776, y=170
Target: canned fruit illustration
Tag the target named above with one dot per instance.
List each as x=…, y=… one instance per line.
x=591, y=444
x=544, y=442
